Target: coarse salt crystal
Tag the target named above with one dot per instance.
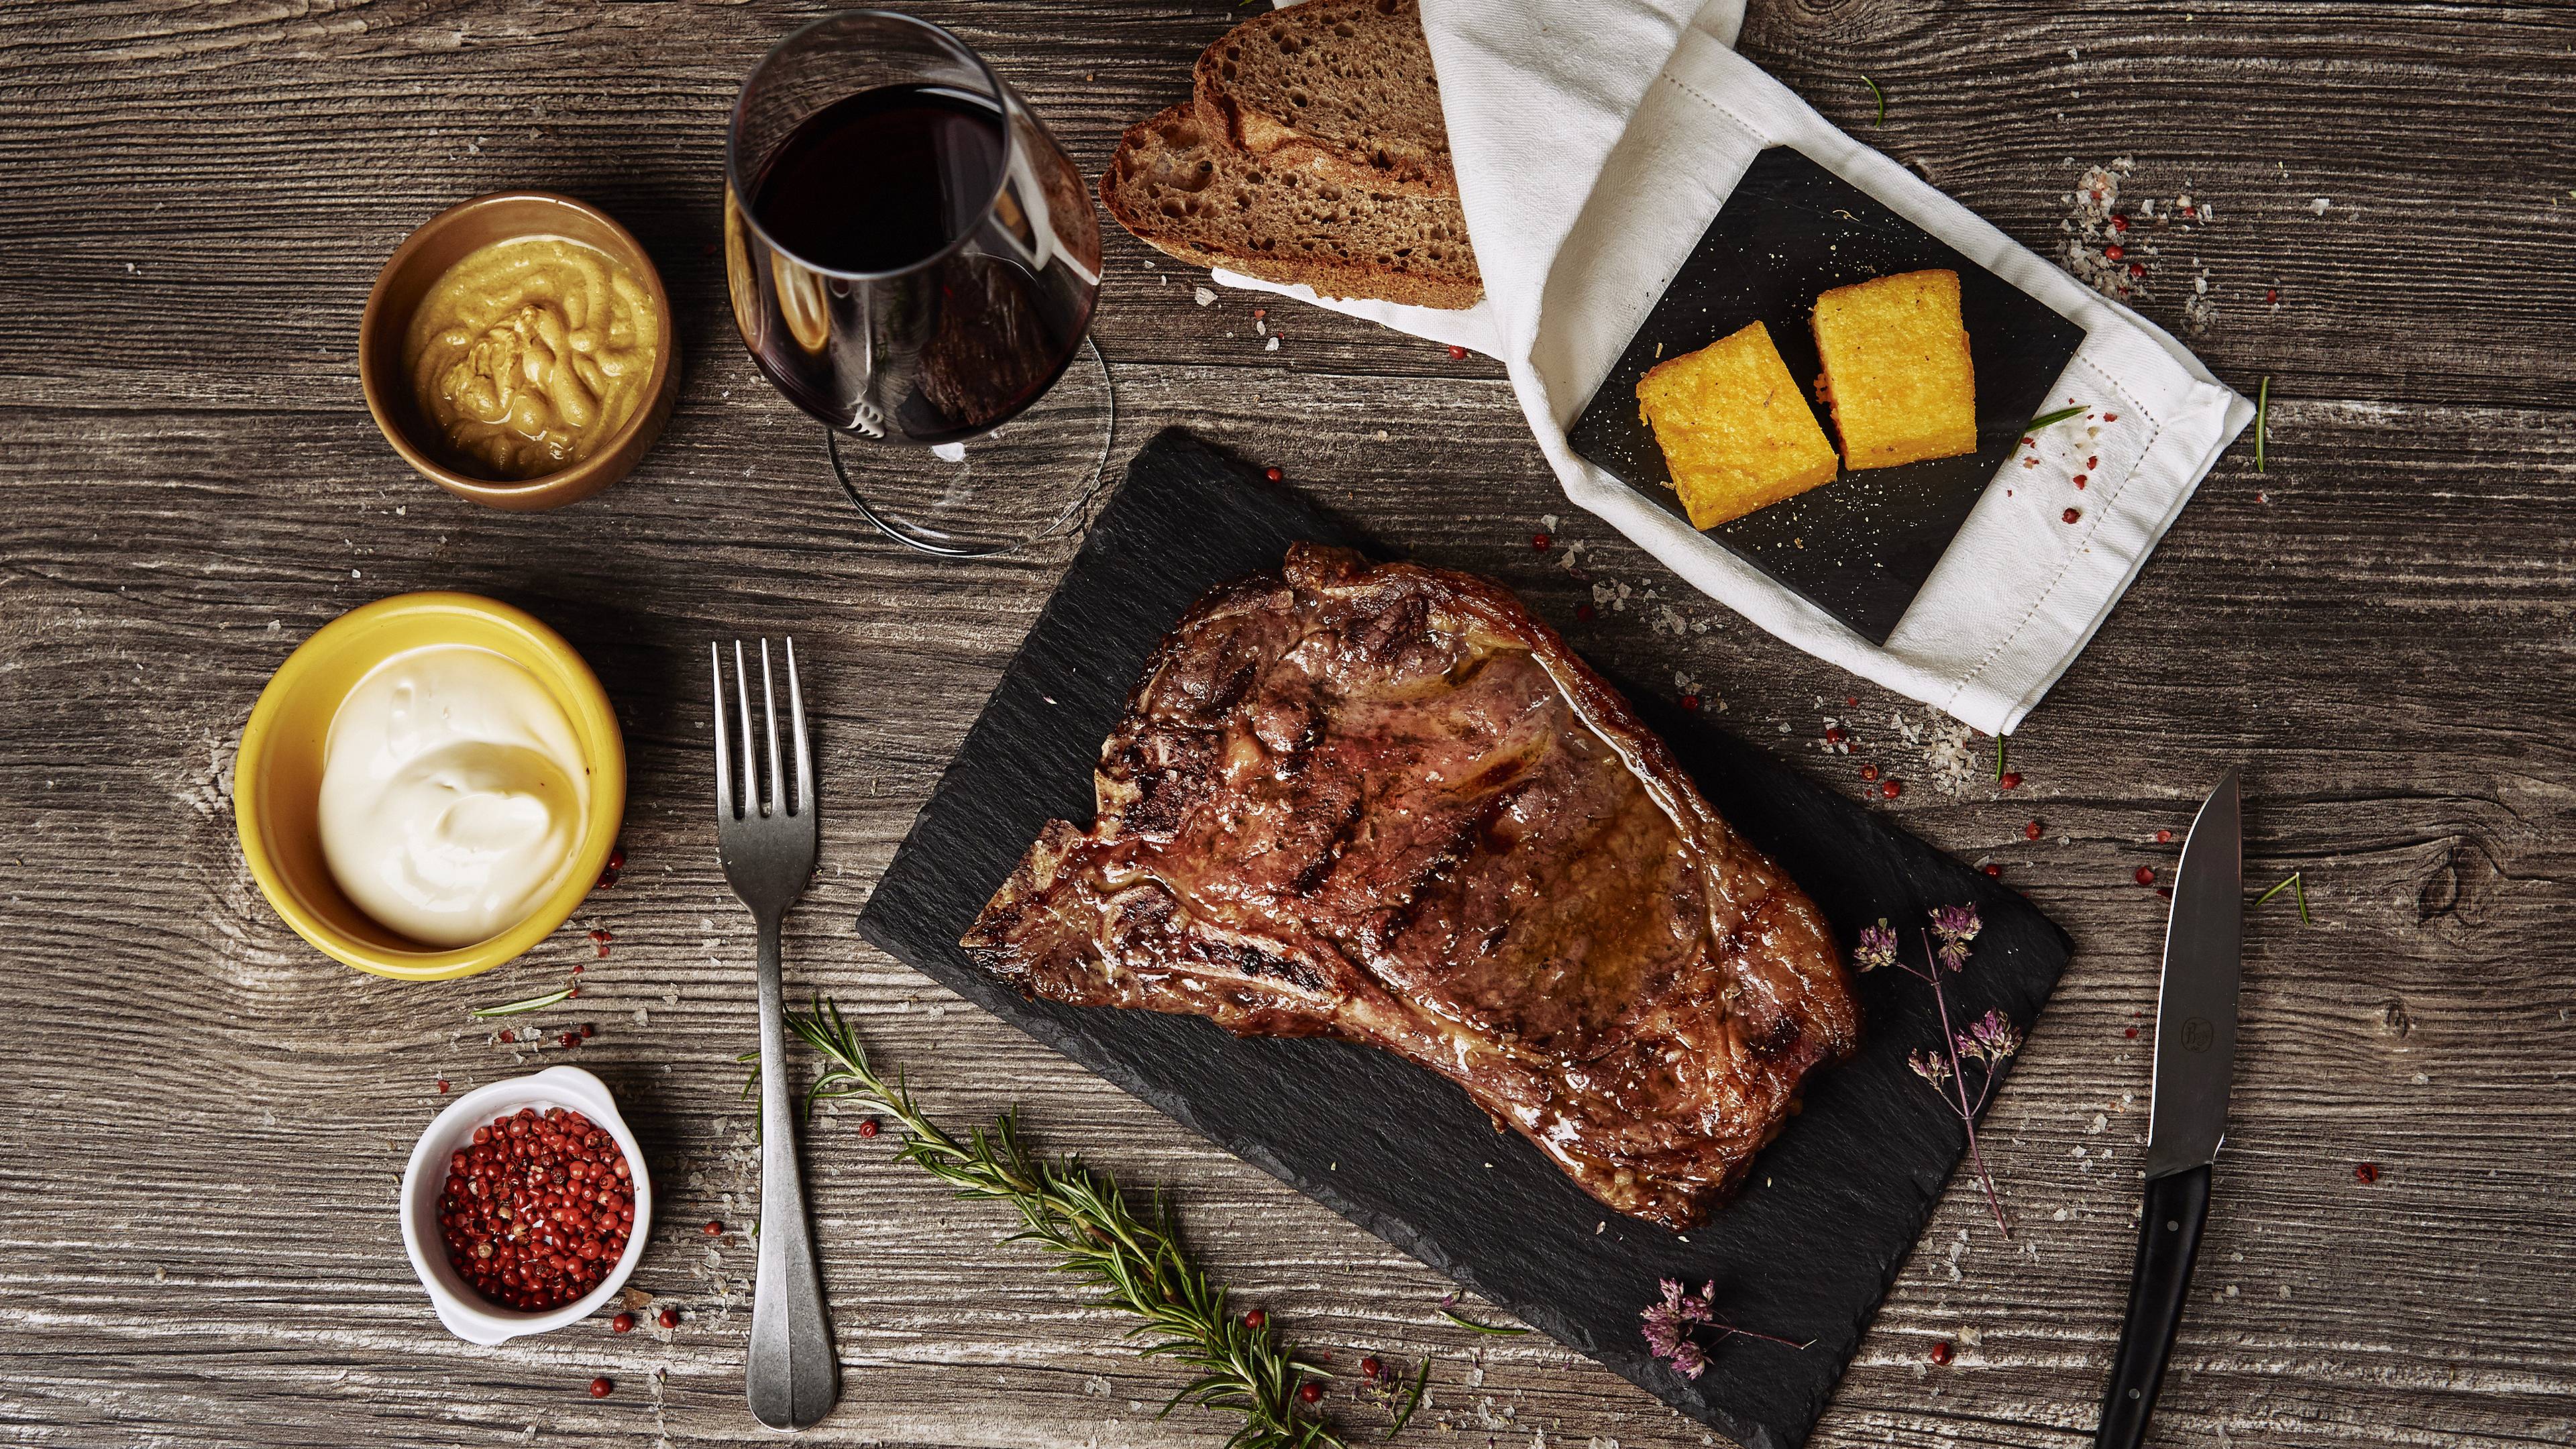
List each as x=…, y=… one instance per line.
x=1204, y=297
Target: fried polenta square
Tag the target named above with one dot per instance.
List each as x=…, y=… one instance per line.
x=1897, y=370
x=1736, y=432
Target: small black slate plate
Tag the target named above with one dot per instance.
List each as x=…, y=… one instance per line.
x=1838, y=1200
x=1861, y=546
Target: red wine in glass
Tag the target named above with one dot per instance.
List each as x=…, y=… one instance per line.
x=914, y=261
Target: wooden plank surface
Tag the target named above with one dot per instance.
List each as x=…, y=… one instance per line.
x=204, y=1121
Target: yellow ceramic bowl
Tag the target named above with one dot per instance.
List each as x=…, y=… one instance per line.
x=277, y=778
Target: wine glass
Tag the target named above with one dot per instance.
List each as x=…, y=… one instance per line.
x=913, y=261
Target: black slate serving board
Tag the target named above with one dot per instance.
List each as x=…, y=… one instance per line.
x=1861, y=546
x=1835, y=1203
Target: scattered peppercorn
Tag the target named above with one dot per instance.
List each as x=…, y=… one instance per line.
x=1273, y=474
x=2133, y=1033
x=1941, y=1352
x=1371, y=1368
x=1457, y=353
x=2366, y=1174
x=1993, y=869
x=2146, y=875
x=1833, y=736
x=2073, y=514
x=2163, y=837
x=668, y=1318
x=569, y=1039
x=2271, y=294
x=713, y=1229
x=1254, y=1319
x=622, y=1323
x=2137, y=269
x=2114, y=251
x=1541, y=542
x=442, y=1086
x=1309, y=1392
x=1869, y=772
x=869, y=1128
x=1891, y=788
x=2031, y=831
x=1690, y=701
x=2080, y=480
x=2119, y=223
x=2009, y=779
x=2110, y=417
x=601, y=1388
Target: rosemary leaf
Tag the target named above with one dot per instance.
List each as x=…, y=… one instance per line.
x=1081, y=1217
x=2262, y=421
x=2059, y=416
x=514, y=1008
x=1880, y=96
x=1412, y=1400
x=1498, y=1330
x=1999, y=759
x=2297, y=886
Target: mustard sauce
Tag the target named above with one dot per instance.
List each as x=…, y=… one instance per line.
x=529, y=353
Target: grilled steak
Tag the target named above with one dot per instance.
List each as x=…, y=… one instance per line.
x=1384, y=803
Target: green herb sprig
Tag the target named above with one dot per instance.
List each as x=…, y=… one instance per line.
x=2262, y=421
x=526, y=1004
x=2059, y=416
x=1880, y=96
x=1499, y=1330
x=1084, y=1220
x=2298, y=889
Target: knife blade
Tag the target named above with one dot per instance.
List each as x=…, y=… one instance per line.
x=2194, y=1068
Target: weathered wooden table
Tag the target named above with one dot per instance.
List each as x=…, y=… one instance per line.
x=204, y=1120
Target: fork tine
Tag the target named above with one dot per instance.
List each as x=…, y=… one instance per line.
x=804, y=755
x=769, y=719
x=724, y=752
x=742, y=705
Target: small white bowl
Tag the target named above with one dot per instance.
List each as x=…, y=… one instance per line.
x=468, y=1314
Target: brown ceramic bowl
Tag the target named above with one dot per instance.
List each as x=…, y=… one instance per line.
x=443, y=241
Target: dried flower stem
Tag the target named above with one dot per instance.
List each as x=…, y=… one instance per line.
x=1986, y=1042
x=1958, y=1088
x=1084, y=1220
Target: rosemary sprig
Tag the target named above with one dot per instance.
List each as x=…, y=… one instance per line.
x=1880, y=96
x=2059, y=416
x=514, y=1008
x=1999, y=759
x=2298, y=890
x=1499, y=1330
x=1084, y=1220
x=2262, y=421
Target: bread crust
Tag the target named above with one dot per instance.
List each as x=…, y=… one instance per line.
x=1405, y=151
x=1181, y=186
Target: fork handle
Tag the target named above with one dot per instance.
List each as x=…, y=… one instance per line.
x=794, y=1375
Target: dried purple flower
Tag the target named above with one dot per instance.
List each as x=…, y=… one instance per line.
x=1930, y=1068
x=1996, y=1037
x=1877, y=947
x=1669, y=1326
x=1663, y=1330
x=1956, y=923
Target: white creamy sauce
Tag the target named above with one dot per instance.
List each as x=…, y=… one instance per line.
x=452, y=794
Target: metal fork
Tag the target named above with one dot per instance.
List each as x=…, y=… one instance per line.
x=768, y=850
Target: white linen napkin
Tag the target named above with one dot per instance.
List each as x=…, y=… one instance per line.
x=1594, y=141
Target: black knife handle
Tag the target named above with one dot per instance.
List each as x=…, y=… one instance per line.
x=2168, y=1241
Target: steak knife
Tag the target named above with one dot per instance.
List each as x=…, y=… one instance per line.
x=2195, y=1061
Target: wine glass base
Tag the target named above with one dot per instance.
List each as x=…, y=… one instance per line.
x=1029, y=480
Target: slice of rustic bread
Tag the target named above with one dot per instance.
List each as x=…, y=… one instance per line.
x=1185, y=190
x=1345, y=84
